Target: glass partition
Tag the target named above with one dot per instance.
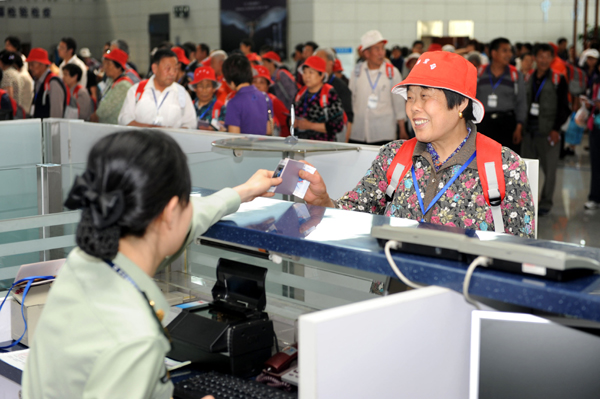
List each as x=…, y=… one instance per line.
x=20, y=142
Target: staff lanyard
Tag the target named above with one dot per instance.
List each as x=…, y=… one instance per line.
x=443, y=190
x=306, y=101
x=156, y=102
x=537, y=95
x=126, y=277
x=373, y=86
x=494, y=86
x=209, y=108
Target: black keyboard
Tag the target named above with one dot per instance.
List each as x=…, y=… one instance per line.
x=223, y=386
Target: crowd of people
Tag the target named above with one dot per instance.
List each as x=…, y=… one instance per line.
x=531, y=92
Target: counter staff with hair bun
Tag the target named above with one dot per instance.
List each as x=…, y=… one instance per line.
x=100, y=335
x=449, y=174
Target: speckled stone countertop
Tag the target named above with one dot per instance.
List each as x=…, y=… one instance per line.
x=343, y=238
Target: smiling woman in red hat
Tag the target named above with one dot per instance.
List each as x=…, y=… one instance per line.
x=319, y=111
x=449, y=174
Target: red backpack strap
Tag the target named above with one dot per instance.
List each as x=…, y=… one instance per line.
x=300, y=93
x=68, y=96
x=481, y=70
x=491, y=176
x=389, y=70
x=324, y=93
x=555, y=78
x=400, y=165
x=514, y=73
x=140, y=89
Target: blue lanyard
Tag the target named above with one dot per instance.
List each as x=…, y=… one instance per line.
x=306, y=101
x=331, y=80
x=209, y=107
x=161, y=103
x=443, y=190
x=29, y=281
x=373, y=86
x=537, y=95
x=494, y=86
x=124, y=275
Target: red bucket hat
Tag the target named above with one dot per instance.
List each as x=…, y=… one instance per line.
x=337, y=66
x=119, y=56
x=38, y=55
x=260, y=71
x=271, y=55
x=444, y=70
x=203, y=73
x=180, y=53
x=316, y=63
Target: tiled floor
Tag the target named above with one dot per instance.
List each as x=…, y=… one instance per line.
x=569, y=221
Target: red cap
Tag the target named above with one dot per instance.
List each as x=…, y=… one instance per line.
x=316, y=63
x=38, y=55
x=444, y=70
x=337, y=66
x=203, y=73
x=273, y=56
x=119, y=56
x=180, y=53
x=253, y=57
x=261, y=72
x=206, y=62
x=435, y=47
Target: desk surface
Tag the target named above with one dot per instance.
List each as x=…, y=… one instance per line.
x=343, y=238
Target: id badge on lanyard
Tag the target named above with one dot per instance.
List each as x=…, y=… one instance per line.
x=373, y=98
x=372, y=102
x=535, y=105
x=493, y=98
x=535, y=109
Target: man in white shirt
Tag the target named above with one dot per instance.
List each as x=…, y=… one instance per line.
x=66, y=51
x=377, y=112
x=159, y=101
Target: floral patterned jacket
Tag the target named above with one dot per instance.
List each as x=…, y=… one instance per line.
x=463, y=205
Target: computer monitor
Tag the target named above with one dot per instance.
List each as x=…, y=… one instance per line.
x=516, y=355
x=409, y=345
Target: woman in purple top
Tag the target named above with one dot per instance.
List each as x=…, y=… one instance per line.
x=250, y=111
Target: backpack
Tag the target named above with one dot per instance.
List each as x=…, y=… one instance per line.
x=514, y=75
x=142, y=85
x=577, y=80
x=17, y=111
x=322, y=99
x=489, y=164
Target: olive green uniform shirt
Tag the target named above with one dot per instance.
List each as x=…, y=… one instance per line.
x=97, y=337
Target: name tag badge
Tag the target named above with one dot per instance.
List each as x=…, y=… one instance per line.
x=492, y=101
x=215, y=124
x=158, y=121
x=535, y=109
x=372, y=104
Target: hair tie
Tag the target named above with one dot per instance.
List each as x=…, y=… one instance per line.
x=106, y=208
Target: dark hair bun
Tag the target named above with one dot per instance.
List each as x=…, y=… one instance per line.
x=101, y=243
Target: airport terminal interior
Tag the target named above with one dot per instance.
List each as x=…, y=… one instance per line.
x=299, y=199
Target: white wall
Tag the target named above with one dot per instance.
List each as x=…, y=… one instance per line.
x=341, y=23
x=328, y=22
